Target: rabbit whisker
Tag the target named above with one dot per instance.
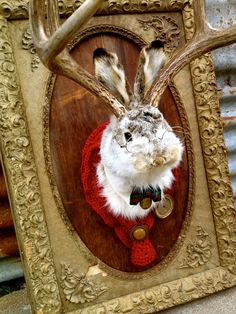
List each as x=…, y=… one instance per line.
x=127, y=149
x=125, y=146
x=163, y=135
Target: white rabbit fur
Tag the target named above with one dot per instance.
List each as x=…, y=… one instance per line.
x=142, y=158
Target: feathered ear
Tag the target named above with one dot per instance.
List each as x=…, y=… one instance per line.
x=110, y=72
x=152, y=59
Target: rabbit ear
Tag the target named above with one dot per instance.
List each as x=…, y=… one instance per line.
x=110, y=72
x=152, y=58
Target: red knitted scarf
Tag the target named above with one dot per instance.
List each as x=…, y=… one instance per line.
x=142, y=251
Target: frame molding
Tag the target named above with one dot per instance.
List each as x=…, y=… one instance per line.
x=24, y=186
x=214, y=151
x=18, y=9
x=167, y=295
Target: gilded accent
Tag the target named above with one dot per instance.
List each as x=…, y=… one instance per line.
x=165, y=29
x=78, y=288
x=23, y=184
x=16, y=9
x=214, y=151
x=198, y=251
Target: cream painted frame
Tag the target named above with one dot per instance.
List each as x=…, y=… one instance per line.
x=24, y=184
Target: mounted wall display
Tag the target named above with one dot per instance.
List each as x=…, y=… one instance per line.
x=74, y=261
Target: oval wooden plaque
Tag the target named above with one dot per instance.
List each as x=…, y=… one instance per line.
x=74, y=114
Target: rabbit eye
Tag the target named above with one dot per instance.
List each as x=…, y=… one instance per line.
x=128, y=136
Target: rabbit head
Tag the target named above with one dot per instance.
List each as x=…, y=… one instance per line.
x=141, y=142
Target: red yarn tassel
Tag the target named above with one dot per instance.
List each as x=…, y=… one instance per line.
x=142, y=253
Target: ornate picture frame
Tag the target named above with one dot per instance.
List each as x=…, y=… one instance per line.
x=61, y=273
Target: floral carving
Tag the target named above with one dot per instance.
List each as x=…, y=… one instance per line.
x=78, y=288
x=166, y=30
x=23, y=183
x=198, y=251
x=27, y=44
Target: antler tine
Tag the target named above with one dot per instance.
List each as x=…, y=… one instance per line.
x=52, y=50
x=38, y=27
x=204, y=40
x=53, y=19
x=64, y=34
x=201, y=22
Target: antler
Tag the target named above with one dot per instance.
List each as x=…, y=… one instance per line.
x=204, y=40
x=50, y=40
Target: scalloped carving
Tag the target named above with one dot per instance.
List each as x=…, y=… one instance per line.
x=23, y=182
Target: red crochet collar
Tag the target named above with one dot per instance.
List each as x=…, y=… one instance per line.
x=142, y=251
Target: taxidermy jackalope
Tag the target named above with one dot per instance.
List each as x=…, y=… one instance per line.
x=138, y=148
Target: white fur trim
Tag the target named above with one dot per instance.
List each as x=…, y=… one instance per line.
x=118, y=175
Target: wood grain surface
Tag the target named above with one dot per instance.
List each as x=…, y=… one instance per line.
x=74, y=113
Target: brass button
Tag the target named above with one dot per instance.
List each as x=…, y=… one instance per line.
x=139, y=233
x=146, y=203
